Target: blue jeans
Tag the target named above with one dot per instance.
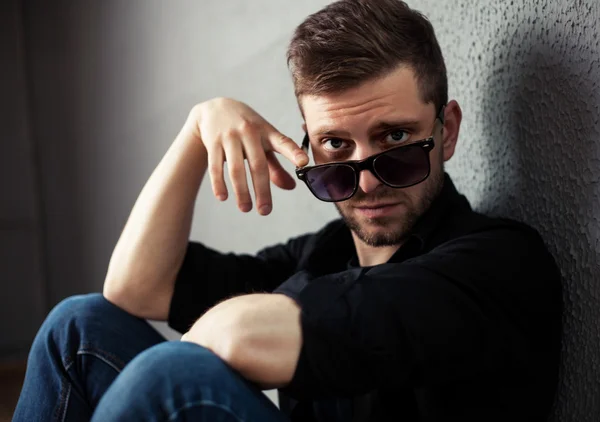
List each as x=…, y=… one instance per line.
x=93, y=361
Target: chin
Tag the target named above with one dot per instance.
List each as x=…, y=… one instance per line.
x=393, y=229
x=379, y=232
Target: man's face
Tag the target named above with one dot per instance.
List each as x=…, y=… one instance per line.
x=348, y=126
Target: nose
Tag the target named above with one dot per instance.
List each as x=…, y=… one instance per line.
x=368, y=182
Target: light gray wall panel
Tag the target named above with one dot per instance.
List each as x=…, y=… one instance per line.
x=113, y=82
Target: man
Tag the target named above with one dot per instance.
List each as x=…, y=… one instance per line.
x=411, y=307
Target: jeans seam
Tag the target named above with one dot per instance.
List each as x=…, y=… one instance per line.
x=187, y=406
x=108, y=358
x=64, y=415
x=61, y=410
x=102, y=358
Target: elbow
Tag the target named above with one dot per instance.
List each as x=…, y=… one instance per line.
x=137, y=300
x=119, y=296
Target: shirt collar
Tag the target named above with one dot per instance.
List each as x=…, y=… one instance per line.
x=448, y=202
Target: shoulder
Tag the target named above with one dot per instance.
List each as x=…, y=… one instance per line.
x=473, y=228
x=489, y=248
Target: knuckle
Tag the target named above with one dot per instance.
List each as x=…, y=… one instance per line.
x=215, y=169
x=197, y=109
x=281, y=139
x=248, y=126
x=236, y=171
x=264, y=195
x=229, y=134
x=218, y=101
x=200, y=108
x=257, y=163
x=241, y=191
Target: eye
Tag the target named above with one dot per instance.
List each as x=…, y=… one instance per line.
x=397, y=136
x=333, y=144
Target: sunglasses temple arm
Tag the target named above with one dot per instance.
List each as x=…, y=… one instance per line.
x=441, y=113
x=304, y=146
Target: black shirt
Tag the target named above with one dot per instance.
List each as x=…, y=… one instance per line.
x=462, y=323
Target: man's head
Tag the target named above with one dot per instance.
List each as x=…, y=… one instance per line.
x=369, y=75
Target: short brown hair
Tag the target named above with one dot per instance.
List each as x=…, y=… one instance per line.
x=352, y=41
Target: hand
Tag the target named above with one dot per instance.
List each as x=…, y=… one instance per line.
x=231, y=131
x=258, y=335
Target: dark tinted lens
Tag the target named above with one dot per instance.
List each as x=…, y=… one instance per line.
x=333, y=182
x=403, y=166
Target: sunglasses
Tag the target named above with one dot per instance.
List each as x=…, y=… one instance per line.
x=399, y=167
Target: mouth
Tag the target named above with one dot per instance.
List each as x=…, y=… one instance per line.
x=378, y=209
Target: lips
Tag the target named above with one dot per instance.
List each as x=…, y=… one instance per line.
x=378, y=210
x=375, y=206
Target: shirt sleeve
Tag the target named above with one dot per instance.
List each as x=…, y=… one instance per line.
x=207, y=277
x=485, y=304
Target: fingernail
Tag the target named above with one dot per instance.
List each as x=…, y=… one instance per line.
x=245, y=207
x=221, y=197
x=264, y=209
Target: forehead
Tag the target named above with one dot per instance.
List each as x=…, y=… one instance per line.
x=393, y=96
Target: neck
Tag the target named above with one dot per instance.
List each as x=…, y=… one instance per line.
x=369, y=256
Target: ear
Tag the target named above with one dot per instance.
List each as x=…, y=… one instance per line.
x=304, y=127
x=452, y=120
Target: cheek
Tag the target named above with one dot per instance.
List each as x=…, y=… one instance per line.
x=436, y=158
x=318, y=156
x=413, y=193
x=345, y=208
x=416, y=195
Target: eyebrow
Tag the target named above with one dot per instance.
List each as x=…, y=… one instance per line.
x=379, y=127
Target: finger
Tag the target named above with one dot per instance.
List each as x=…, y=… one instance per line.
x=278, y=175
x=288, y=148
x=237, y=172
x=259, y=171
x=216, y=157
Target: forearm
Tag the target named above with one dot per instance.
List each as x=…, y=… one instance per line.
x=151, y=249
x=259, y=335
x=147, y=257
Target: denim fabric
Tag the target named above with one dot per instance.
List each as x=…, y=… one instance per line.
x=92, y=360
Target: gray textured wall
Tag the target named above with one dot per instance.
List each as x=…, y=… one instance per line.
x=528, y=76
x=112, y=81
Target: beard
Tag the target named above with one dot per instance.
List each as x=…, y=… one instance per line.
x=389, y=230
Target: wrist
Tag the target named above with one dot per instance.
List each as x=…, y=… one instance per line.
x=190, y=142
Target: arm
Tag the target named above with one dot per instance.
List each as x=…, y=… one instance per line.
x=258, y=335
x=231, y=275
x=269, y=322
x=480, y=307
x=451, y=315
x=149, y=252
x=147, y=258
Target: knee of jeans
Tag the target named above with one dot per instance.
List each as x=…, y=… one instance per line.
x=176, y=362
x=69, y=318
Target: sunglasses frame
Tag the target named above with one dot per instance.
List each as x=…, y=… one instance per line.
x=368, y=163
